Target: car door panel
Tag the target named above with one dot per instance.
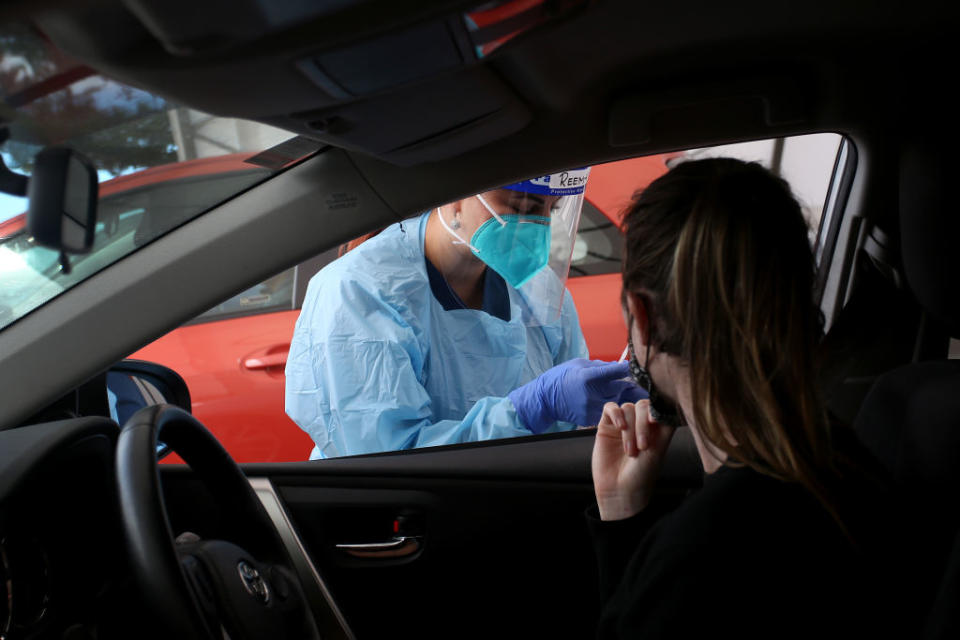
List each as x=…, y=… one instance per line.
x=501, y=521
x=498, y=542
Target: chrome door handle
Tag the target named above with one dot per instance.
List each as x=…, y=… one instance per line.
x=397, y=547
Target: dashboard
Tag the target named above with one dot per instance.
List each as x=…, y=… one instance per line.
x=25, y=579
x=62, y=556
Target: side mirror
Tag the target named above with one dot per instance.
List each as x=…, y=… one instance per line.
x=62, y=214
x=135, y=384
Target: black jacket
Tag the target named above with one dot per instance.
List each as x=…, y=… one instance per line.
x=746, y=556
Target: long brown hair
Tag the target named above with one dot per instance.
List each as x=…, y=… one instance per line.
x=719, y=249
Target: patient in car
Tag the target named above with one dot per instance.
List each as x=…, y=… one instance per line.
x=718, y=295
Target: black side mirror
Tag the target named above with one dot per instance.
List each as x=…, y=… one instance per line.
x=135, y=384
x=63, y=200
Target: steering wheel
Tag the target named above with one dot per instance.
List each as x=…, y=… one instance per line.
x=200, y=589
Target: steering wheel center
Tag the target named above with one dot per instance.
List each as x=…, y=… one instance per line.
x=203, y=588
x=253, y=582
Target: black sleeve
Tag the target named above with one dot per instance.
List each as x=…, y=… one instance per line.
x=654, y=582
x=615, y=542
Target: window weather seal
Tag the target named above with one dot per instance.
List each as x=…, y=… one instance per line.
x=327, y=615
x=838, y=193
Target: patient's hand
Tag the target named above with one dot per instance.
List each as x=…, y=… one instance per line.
x=626, y=458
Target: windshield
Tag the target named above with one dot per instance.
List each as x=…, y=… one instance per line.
x=159, y=164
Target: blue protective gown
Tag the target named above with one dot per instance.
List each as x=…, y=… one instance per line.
x=377, y=364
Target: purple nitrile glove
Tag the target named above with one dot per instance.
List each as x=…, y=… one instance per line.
x=575, y=392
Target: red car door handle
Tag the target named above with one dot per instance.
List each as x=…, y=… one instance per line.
x=266, y=361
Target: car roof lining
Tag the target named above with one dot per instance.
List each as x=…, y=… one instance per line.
x=546, y=83
x=544, y=102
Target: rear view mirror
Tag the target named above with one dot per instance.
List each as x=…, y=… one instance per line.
x=62, y=213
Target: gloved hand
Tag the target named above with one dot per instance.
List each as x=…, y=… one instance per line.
x=574, y=391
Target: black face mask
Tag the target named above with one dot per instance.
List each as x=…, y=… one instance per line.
x=662, y=409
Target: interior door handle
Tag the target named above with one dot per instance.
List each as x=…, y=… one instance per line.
x=397, y=547
x=266, y=361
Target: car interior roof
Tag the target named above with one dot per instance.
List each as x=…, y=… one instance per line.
x=600, y=81
x=605, y=81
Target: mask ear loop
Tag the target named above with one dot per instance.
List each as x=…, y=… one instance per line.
x=453, y=233
x=502, y=222
x=641, y=375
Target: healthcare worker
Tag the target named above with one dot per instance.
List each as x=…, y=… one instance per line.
x=454, y=326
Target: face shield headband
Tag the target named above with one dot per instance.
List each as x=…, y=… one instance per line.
x=520, y=247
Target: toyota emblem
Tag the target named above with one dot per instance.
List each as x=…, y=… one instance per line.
x=253, y=581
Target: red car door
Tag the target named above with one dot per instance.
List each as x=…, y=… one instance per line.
x=232, y=358
x=234, y=370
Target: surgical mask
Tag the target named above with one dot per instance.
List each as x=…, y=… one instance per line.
x=515, y=246
x=662, y=409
